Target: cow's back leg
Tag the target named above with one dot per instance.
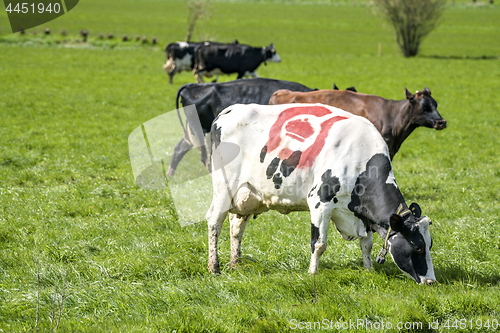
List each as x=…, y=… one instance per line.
x=215, y=219
x=250, y=74
x=320, y=221
x=366, y=243
x=180, y=149
x=199, y=77
x=238, y=225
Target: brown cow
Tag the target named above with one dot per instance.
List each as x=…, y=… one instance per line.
x=395, y=120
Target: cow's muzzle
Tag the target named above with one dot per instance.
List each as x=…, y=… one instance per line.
x=440, y=124
x=424, y=280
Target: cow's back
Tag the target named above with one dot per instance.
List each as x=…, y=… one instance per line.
x=253, y=91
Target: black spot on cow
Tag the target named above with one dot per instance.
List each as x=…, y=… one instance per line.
x=288, y=165
x=329, y=187
x=277, y=180
x=314, y=236
x=317, y=205
x=311, y=191
x=372, y=199
x=263, y=153
x=216, y=133
x=272, y=167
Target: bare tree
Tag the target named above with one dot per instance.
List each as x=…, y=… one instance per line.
x=198, y=9
x=412, y=20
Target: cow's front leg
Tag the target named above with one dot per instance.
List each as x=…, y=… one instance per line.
x=320, y=220
x=238, y=225
x=366, y=243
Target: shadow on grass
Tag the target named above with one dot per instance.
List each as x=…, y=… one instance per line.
x=444, y=275
x=454, y=275
x=483, y=57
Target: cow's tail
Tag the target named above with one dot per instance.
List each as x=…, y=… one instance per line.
x=177, y=107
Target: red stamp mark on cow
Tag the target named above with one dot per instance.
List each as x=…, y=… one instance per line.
x=298, y=136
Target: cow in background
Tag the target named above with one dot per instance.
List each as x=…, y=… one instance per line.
x=180, y=56
x=395, y=120
x=242, y=59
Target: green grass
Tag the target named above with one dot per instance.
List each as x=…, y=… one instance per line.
x=68, y=199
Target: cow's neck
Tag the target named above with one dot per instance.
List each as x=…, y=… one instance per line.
x=402, y=125
x=375, y=197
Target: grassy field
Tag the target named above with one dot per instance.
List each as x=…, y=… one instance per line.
x=74, y=226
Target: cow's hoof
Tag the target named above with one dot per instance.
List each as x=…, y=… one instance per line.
x=214, y=269
x=234, y=263
x=170, y=172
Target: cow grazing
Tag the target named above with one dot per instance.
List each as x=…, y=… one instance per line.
x=316, y=158
x=232, y=58
x=395, y=120
x=211, y=98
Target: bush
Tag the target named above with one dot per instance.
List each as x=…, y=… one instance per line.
x=412, y=20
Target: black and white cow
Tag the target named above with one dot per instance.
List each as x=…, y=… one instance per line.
x=316, y=158
x=242, y=59
x=180, y=56
x=211, y=98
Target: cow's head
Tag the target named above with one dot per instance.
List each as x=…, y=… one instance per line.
x=270, y=54
x=424, y=109
x=409, y=243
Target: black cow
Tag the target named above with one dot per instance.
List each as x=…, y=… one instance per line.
x=211, y=98
x=232, y=58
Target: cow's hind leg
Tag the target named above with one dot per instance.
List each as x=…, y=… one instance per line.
x=366, y=243
x=180, y=149
x=215, y=219
x=199, y=77
x=320, y=220
x=238, y=225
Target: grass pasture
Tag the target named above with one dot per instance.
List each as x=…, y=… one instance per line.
x=73, y=223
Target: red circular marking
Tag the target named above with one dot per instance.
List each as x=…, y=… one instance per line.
x=300, y=128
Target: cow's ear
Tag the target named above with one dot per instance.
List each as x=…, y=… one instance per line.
x=415, y=209
x=335, y=86
x=271, y=46
x=427, y=91
x=409, y=95
x=397, y=223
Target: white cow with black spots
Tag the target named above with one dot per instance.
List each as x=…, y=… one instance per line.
x=316, y=158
